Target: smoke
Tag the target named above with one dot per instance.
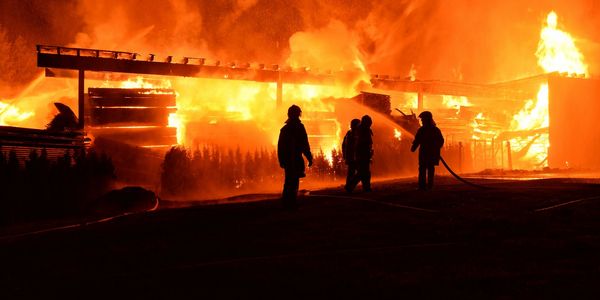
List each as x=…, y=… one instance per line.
x=481, y=40
x=315, y=48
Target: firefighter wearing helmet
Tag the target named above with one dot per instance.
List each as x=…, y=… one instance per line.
x=429, y=140
x=364, y=154
x=292, y=144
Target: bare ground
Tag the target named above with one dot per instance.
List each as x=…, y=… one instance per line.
x=453, y=242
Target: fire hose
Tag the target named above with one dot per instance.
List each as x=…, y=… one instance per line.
x=442, y=159
x=460, y=178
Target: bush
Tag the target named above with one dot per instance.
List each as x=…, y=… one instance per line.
x=41, y=188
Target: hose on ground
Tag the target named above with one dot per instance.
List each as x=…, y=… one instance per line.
x=462, y=179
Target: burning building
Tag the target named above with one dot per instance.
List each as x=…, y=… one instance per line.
x=157, y=101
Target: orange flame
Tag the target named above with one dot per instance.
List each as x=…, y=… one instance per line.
x=12, y=115
x=556, y=52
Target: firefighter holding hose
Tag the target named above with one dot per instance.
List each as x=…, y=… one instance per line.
x=429, y=140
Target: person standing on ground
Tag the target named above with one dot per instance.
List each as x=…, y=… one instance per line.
x=293, y=142
x=364, y=153
x=429, y=140
x=349, y=149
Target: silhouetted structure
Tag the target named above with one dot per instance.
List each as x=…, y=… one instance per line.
x=429, y=140
x=293, y=142
x=64, y=120
x=363, y=153
x=349, y=150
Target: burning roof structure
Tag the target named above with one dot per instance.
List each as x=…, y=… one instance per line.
x=162, y=100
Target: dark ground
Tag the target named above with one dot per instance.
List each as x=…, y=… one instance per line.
x=467, y=243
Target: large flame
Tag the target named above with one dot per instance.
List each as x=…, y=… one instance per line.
x=556, y=52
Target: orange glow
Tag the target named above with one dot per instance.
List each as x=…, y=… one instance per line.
x=126, y=127
x=227, y=113
x=12, y=115
x=214, y=101
x=479, y=131
x=175, y=121
x=455, y=101
x=397, y=134
x=140, y=83
x=556, y=52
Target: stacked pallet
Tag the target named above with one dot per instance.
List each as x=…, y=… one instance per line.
x=138, y=117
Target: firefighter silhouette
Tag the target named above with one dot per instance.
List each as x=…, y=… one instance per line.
x=429, y=140
x=363, y=154
x=349, y=150
x=292, y=144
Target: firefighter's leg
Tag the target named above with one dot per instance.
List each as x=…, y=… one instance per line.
x=365, y=176
x=351, y=176
x=422, y=174
x=430, y=176
x=290, y=190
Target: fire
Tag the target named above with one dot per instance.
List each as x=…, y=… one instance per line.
x=479, y=131
x=534, y=114
x=556, y=52
x=139, y=82
x=455, y=101
x=10, y=115
x=329, y=155
x=175, y=121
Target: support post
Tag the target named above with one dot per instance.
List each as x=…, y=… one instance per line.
x=501, y=156
x=475, y=160
x=485, y=155
x=460, y=156
x=279, y=91
x=493, y=162
x=509, y=155
x=81, y=99
x=420, y=101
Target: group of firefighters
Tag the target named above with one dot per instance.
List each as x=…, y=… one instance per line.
x=357, y=152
